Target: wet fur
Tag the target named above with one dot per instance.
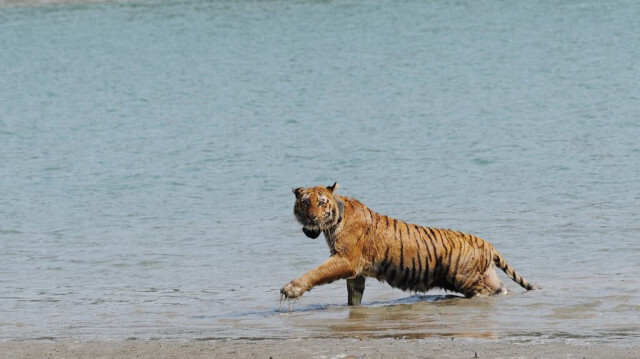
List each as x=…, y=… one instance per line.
x=407, y=256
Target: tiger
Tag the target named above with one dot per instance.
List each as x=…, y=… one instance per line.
x=407, y=256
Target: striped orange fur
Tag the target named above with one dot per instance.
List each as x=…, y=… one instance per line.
x=407, y=256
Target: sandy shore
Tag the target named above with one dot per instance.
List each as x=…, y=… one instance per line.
x=308, y=348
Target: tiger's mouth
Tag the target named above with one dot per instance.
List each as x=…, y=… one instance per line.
x=312, y=227
x=312, y=233
x=320, y=224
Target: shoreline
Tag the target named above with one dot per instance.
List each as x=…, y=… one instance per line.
x=309, y=348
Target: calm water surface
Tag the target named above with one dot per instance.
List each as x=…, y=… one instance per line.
x=148, y=150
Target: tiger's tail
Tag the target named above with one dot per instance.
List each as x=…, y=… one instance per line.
x=501, y=263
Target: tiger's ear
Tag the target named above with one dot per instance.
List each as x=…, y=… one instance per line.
x=334, y=187
x=297, y=191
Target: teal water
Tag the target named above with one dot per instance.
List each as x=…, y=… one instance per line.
x=148, y=150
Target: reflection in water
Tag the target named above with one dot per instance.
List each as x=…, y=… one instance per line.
x=518, y=317
x=415, y=317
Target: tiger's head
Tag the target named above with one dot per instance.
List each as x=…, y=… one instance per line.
x=317, y=209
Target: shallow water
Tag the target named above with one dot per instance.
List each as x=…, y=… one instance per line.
x=149, y=148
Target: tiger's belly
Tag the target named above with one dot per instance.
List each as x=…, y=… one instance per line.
x=408, y=278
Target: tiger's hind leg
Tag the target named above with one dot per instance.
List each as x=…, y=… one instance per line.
x=493, y=285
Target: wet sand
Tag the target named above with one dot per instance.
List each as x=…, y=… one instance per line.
x=309, y=348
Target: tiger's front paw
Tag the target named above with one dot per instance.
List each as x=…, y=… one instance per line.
x=293, y=290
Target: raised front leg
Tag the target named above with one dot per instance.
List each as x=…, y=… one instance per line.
x=331, y=270
x=355, y=289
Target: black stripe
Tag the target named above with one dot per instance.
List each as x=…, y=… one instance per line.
x=403, y=282
x=413, y=272
x=496, y=261
x=385, y=262
x=441, y=240
x=401, y=252
x=432, y=233
x=419, y=254
x=433, y=237
x=431, y=260
x=428, y=239
x=455, y=267
x=370, y=214
x=428, y=278
x=391, y=277
x=395, y=227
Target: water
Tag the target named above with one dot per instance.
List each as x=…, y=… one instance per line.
x=149, y=148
